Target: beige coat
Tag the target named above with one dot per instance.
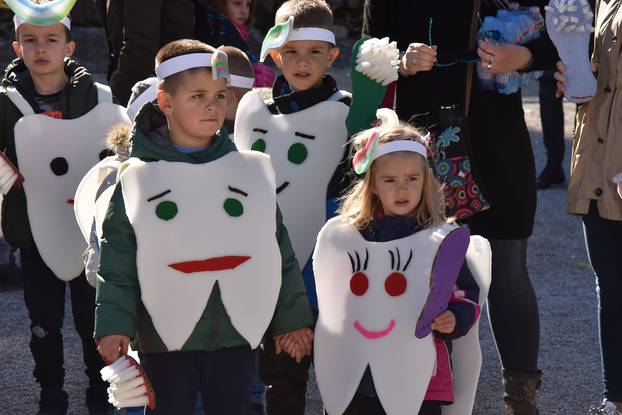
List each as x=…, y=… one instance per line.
x=597, y=144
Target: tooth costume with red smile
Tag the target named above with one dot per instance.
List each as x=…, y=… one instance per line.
x=372, y=297
x=188, y=241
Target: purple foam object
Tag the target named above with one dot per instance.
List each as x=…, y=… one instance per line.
x=449, y=259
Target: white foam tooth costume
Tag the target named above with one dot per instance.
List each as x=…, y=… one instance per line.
x=53, y=156
x=466, y=357
x=370, y=296
x=188, y=220
x=305, y=148
x=86, y=195
x=569, y=26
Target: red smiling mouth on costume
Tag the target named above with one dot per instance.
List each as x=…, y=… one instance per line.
x=374, y=334
x=70, y=201
x=211, y=264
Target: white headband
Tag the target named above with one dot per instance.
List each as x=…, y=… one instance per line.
x=400, y=145
x=312, y=33
x=242, y=81
x=18, y=21
x=183, y=63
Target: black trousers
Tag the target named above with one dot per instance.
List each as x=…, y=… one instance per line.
x=370, y=405
x=513, y=307
x=552, y=117
x=286, y=380
x=223, y=377
x=44, y=295
x=603, y=238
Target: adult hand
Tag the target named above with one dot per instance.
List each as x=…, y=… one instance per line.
x=112, y=347
x=419, y=57
x=500, y=58
x=562, y=80
x=445, y=323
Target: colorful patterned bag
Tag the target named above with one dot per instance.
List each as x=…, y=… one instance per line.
x=451, y=148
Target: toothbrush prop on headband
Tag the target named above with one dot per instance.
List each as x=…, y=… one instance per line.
x=284, y=32
x=217, y=61
x=372, y=150
x=41, y=14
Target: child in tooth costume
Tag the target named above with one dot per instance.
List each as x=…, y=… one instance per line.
x=195, y=262
x=53, y=119
x=303, y=130
x=385, y=270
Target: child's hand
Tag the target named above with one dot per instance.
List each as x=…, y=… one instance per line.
x=112, y=347
x=445, y=323
x=297, y=344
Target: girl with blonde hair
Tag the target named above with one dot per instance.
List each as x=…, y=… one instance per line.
x=391, y=233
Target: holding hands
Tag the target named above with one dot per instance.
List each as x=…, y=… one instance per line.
x=297, y=344
x=419, y=57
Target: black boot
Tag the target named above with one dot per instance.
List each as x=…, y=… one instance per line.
x=97, y=400
x=551, y=178
x=521, y=392
x=53, y=401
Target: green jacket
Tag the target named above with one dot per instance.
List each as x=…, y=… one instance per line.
x=77, y=98
x=119, y=309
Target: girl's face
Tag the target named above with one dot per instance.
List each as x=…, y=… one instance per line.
x=398, y=182
x=239, y=10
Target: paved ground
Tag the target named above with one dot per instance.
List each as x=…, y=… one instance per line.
x=558, y=266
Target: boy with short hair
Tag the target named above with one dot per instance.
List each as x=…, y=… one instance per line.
x=303, y=129
x=41, y=86
x=190, y=265
x=242, y=78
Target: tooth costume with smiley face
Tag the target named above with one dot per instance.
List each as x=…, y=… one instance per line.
x=52, y=169
x=371, y=297
x=194, y=255
x=305, y=148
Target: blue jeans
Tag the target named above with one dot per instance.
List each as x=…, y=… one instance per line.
x=603, y=239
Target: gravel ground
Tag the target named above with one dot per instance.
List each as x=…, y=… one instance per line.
x=558, y=267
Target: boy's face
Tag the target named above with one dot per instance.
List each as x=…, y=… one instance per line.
x=196, y=108
x=304, y=62
x=235, y=95
x=239, y=10
x=43, y=48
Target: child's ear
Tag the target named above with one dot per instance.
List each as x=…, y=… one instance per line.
x=276, y=57
x=70, y=48
x=17, y=48
x=333, y=54
x=164, y=102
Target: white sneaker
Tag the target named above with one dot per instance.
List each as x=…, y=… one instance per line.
x=606, y=408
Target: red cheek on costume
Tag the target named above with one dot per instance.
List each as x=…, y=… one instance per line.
x=359, y=283
x=395, y=284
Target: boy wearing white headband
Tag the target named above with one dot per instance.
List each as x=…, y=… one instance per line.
x=195, y=261
x=52, y=97
x=242, y=78
x=308, y=152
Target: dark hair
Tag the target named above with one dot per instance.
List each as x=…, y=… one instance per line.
x=306, y=13
x=179, y=48
x=221, y=7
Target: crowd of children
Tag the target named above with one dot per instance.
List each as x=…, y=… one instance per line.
x=199, y=253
